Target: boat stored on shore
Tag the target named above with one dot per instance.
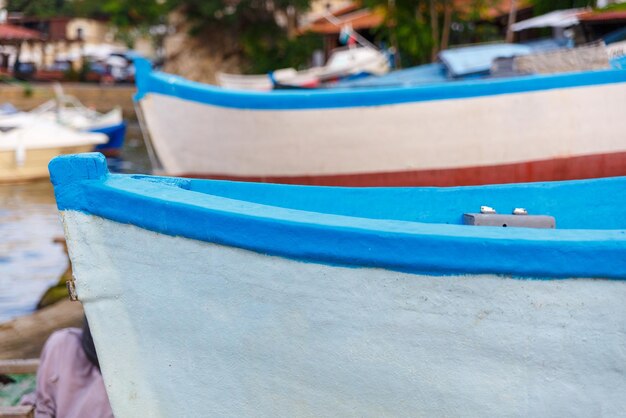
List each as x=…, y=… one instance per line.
x=503, y=130
x=213, y=298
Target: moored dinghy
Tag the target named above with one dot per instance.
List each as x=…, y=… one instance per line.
x=214, y=298
x=26, y=150
x=68, y=112
x=518, y=129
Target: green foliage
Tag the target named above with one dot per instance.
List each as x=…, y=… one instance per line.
x=545, y=6
x=241, y=16
x=409, y=23
x=84, y=70
x=250, y=23
x=123, y=13
x=264, y=45
x=412, y=30
x=11, y=393
x=130, y=17
x=614, y=7
x=281, y=53
x=40, y=8
x=27, y=90
x=71, y=75
x=133, y=13
x=53, y=295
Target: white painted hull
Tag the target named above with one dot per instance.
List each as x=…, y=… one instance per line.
x=32, y=164
x=513, y=130
x=79, y=121
x=26, y=151
x=185, y=328
x=72, y=118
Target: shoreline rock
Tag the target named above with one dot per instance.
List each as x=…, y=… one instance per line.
x=23, y=337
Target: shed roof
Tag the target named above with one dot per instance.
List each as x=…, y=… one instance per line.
x=17, y=33
x=599, y=16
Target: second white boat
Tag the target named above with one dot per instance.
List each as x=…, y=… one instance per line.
x=25, y=151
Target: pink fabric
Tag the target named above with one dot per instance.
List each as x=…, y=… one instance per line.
x=68, y=384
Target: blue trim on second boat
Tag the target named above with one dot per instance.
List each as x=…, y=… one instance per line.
x=116, y=134
x=149, y=81
x=353, y=235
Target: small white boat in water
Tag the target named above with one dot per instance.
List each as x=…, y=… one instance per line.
x=213, y=298
x=69, y=112
x=26, y=150
x=343, y=62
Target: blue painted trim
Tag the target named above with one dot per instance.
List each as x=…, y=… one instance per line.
x=116, y=134
x=477, y=59
x=619, y=63
x=149, y=82
x=422, y=74
x=181, y=207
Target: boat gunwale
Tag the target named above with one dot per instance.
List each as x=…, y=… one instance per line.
x=165, y=205
x=156, y=82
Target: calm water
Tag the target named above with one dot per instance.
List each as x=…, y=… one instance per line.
x=29, y=260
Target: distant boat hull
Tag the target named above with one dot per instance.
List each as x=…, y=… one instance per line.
x=35, y=162
x=116, y=134
x=587, y=167
x=548, y=132
x=88, y=121
x=25, y=151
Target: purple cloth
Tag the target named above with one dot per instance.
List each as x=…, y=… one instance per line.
x=68, y=384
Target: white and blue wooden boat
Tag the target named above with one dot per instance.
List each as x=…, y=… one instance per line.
x=68, y=112
x=213, y=298
x=480, y=131
x=26, y=150
x=343, y=63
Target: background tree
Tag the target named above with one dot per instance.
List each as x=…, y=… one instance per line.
x=254, y=27
x=545, y=6
x=40, y=8
x=130, y=17
x=263, y=32
x=422, y=28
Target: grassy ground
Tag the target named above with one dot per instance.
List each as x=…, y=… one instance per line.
x=11, y=393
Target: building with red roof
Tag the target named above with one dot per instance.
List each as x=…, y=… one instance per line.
x=12, y=33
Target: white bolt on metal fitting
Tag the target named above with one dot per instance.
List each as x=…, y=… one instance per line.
x=520, y=211
x=487, y=209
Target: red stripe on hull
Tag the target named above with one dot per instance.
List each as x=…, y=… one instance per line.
x=574, y=168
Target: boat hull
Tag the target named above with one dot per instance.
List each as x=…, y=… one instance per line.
x=572, y=168
x=191, y=328
x=116, y=134
x=562, y=133
x=34, y=164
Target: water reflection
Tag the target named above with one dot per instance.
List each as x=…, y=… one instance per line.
x=29, y=260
